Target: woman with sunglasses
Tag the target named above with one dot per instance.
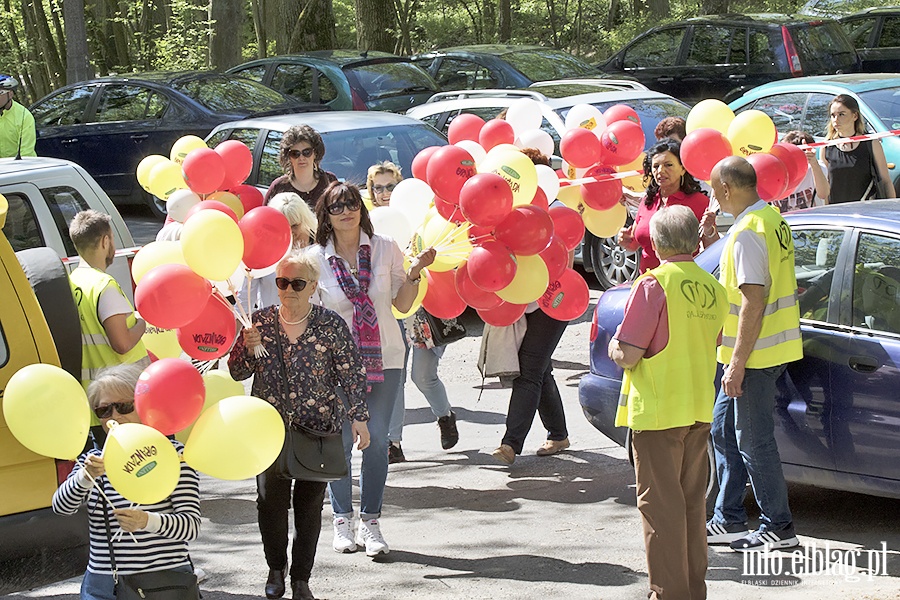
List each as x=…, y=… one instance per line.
x=362, y=277
x=150, y=537
x=300, y=155
x=310, y=354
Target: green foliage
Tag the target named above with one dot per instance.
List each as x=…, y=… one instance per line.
x=185, y=43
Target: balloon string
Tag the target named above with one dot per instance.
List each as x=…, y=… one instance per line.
x=445, y=233
x=241, y=315
x=602, y=178
x=99, y=488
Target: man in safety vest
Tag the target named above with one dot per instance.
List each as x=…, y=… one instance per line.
x=667, y=346
x=17, y=133
x=761, y=335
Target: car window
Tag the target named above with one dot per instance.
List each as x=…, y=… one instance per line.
x=378, y=80
x=760, y=49
x=64, y=203
x=815, y=119
x=546, y=64
x=304, y=83
x=822, y=47
x=815, y=258
x=785, y=110
x=246, y=136
x=269, y=166
x=876, y=283
x=64, y=108
x=710, y=45
x=128, y=103
x=859, y=30
x=217, y=138
x=886, y=104
x=455, y=74
x=656, y=50
x=21, y=228
x=255, y=73
x=432, y=119
x=224, y=94
x=890, y=33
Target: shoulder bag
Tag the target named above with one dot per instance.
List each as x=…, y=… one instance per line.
x=877, y=188
x=307, y=454
x=440, y=332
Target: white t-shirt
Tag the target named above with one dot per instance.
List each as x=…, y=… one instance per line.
x=388, y=276
x=804, y=196
x=111, y=302
x=751, y=257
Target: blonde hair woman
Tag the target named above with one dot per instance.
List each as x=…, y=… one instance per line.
x=381, y=180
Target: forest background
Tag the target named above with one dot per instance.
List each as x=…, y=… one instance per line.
x=49, y=43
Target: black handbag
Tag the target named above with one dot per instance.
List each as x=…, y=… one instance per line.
x=307, y=454
x=443, y=331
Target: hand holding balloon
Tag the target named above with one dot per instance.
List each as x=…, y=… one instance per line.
x=252, y=339
x=360, y=433
x=94, y=466
x=422, y=260
x=131, y=519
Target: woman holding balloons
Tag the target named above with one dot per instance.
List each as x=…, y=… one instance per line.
x=310, y=355
x=362, y=277
x=143, y=537
x=300, y=155
x=668, y=183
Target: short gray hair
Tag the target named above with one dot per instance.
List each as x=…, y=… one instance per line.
x=117, y=382
x=675, y=230
x=305, y=258
x=297, y=211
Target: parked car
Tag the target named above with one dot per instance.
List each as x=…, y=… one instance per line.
x=108, y=125
x=875, y=33
x=500, y=66
x=723, y=56
x=353, y=142
x=610, y=263
x=802, y=103
x=344, y=79
x=836, y=409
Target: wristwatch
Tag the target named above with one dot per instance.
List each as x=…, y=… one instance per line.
x=415, y=281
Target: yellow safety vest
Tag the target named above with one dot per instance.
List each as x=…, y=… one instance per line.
x=779, y=339
x=676, y=387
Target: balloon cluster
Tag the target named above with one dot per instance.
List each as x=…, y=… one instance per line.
x=715, y=133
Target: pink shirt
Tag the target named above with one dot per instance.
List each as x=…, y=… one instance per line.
x=697, y=202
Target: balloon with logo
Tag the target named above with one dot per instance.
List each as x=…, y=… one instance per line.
x=566, y=298
x=751, y=132
x=218, y=385
x=448, y=169
x=602, y=194
x=633, y=183
x=212, y=244
x=622, y=142
x=503, y=315
x=184, y=146
x=605, y=223
x=530, y=281
x=471, y=294
x=211, y=334
x=621, y=112
x=702, y=149
x=163, y=343
x=47, y=411
x=171, y=295
x=710, y=113
x=586, y=116
x=474, y=148
x=518, y=171
x=169, y=395
x=145, y=167
x=141, y=463
x=165, y=178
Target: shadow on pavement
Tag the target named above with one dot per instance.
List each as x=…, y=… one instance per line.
x=418, y=416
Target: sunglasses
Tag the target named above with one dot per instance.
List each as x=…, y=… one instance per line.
x=306, y=153
x=298, y=285
x=106, y=411
x=380, y=189
x=337, y=208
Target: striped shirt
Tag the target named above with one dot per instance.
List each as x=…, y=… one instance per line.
x=172, y=523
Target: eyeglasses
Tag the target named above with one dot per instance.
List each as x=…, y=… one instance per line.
x=351, y=204
x=306, y=153
x=380, y=189
x=106, y=411
x=298, y=285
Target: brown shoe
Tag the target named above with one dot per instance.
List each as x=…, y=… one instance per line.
x=505, y=454
x=552, y=447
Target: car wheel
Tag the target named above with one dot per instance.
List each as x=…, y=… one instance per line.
x=157, y=206
x=712, y=481
x=612, y=264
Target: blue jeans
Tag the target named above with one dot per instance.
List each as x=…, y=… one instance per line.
x=424, y=374
x=373, y=475
x=743, y=433
x=395, y=429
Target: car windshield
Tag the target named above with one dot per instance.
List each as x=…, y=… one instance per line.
x=379, y=80
x=230, y=94
x=544, y=65
x=886, y=104
x=650, y=110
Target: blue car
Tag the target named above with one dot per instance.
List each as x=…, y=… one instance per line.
x=837, y=414
x=802, y=103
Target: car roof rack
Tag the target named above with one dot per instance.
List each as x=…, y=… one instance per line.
x=625, y=84
x=490, y=93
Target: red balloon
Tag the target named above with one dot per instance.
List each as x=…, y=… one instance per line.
x=171, y=296
x=491, y=266
x=448, y=169
x=771, y=176
x=471, y=294
x=496, y=132
x=249, y=196
x=485, y=199
x=621, y=112
x=526, y=230
x=238, y=162
x=794, y=159
x=622, y=142
x=449, y=211
x=567, y=225
x=169, y=395
x=504, y=315
x=540, y=200
x=465, y=126
x=442, y=300
x=203, y=170
x=556, y=257
x=601, y=195
x=420, y=162
x=267, y=236
x=211, y=205
x=210, y=335
x=566, y=298
x=580, y=147
x=702, y=149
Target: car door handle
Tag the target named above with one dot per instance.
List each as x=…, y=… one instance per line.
x=666, y=79
x=737, y=76
x=863, y=364
x=69, y=141
x=139, y=137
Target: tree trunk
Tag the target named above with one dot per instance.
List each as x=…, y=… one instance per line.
x=504, y=21
x=406, y=18
x=312, y=26
x=78, y=62
x=225, y=39
x=659, y=8
x=714, y=7
x=375, y=25
x=553, y=30
x=258, y=10
x=36, y=68
x=611, y=18
x=47, y=45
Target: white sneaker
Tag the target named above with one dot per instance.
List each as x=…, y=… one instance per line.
x=343, y=535
x=369, y=535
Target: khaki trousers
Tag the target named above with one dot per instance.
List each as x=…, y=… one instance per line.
x=670, y=466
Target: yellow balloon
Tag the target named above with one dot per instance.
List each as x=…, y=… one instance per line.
x=219, y=385
x=229, y=200
x=570, y=195
x=163, y=343
x=141, y=463
x=47, y=411
x=212, y=244
x=145, y=166
x=165, y=177
x=530, y=282
x=518, y=171
x=635, y=183
x=605, y=223
x=450, y=240
x=153, y=255
x=236, y=438
x=437, y=230
x=183, y=146
x=751, y=132
x=709, y=113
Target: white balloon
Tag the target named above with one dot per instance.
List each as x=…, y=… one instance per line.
x=412, y=197
x=524, y=115
x=390, y=221
x=547, y=181
x=586, y=116
x=474, y=148
x=180, y=202
x=536, y=138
